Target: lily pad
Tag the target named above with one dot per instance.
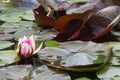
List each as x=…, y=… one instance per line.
x=16, y=14
x=44, y=73
x=5, y=44
x=9, y=30
x=109, y=73
x=23, y=32
x=115, y=61
x=78, y=1
x=20, y=24
x=6, y=36
x=83, y=78
x=89, y=57
x=115, y=46
x=26, y=3
x=8, y=57
x=47, y=35
x=82, y=8
x=16, y=72
x=52, y=43
x=6, y=5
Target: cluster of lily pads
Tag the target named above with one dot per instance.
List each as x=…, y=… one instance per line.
x=21, y=40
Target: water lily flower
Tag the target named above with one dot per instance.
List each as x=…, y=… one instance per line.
x=26, y=46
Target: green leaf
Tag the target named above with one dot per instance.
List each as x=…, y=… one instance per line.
x=20, y=24
x=83, y=78
x=5, y=44
x=6, y=6
x=47, y=35
x=52, y=43
x=115, y=46
x=87, y=56
x=115, y=60
x=108, y=72
x=23, y=32
x=82, y=8
x=78, y=1
x=16, y=72
x=49, y=74
x=6, y=36
x=8, y=57
x=16, y=14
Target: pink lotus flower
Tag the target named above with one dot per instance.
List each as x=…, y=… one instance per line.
x=26, y=47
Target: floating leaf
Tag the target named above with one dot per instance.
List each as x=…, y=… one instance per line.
x=23, y=32
x=20, y=24
x=8, y=30
x=44, y=73
x=5, y=44
x=7, y=5
x=83, y=78
x=52, y=43
x=115, y=46
x=26, y=3
x=87, y=56
x=78, y=1
x=115, y=61
x=15, y=72
x=6, y=36
x=82, y=8
x=8, y=57
x=109, y=73
x=16, y=14
x=47, y=35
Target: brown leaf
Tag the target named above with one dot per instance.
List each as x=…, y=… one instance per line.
x=108, y=28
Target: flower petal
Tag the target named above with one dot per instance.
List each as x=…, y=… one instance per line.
x=25, y=49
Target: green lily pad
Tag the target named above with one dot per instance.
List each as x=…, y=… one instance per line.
x=78, y=1
x=16, y=14
x=47, y=35
x=109, y=73
x=115, y=61
x=82, y=8
x=45, y=73
x=8, y=57
x=52, y=43
x=10, y=30
x=6, y=36
x=115, y=46
x=5, y=44
x=20, y=24
x=16, y=72
x=88, y=56
x=83, y=78
x=23, y=32
x=6, y=6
